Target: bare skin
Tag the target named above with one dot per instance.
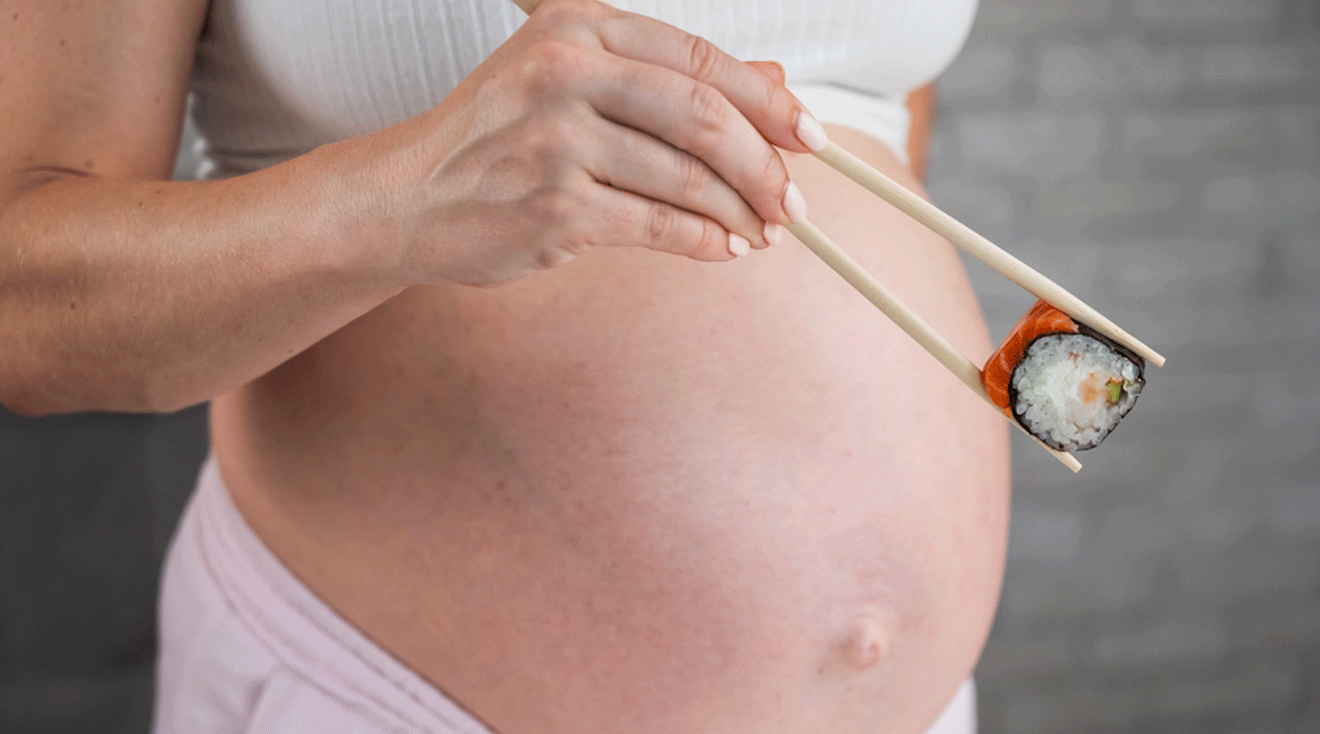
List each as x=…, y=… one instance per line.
x=634, y=492
x=589, y=128
x=921, y=106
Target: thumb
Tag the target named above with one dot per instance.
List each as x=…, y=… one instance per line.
x=773, y=70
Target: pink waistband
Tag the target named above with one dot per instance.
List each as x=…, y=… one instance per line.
x=308, y=636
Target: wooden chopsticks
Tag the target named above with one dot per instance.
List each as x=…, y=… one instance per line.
x=979, y=247
x=907, y=320
x=968, y=241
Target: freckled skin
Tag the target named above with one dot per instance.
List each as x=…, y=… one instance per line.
x=642, y=494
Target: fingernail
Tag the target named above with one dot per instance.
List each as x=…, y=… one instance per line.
x=738, y=245
x=794, y=205
x=810, y=132
x=773, y=234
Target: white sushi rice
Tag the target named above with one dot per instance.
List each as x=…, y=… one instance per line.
x=1050, y=381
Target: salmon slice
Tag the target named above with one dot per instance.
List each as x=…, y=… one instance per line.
x=1040, y=320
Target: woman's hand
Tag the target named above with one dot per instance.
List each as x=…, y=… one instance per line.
x=125, y=291
x=589, y=127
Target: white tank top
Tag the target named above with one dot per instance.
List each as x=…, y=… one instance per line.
x=276, y=78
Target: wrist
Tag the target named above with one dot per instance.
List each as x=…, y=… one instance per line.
x=355, y=212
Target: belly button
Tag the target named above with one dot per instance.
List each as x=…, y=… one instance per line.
x=867, y=640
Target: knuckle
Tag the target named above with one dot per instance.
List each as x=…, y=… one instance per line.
x=661, y=223
x=574, y=18
x=552, y=208
x=552, y=256
x=707, y=107
x=550, y=66
x=552, y=139
x=704, y=58
x=563, y=13
x=694, y=177
x=713, y=239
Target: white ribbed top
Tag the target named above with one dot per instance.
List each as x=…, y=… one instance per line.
x=276, y=78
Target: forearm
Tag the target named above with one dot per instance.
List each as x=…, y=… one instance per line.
x=150, y=295
x=588, y=128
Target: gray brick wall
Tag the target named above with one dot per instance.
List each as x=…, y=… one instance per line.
x=1162, y=159
x=1159, y=157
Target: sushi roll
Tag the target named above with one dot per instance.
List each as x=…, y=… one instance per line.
x=1067, y=384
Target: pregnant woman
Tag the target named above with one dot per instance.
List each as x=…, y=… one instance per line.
x=640, y=480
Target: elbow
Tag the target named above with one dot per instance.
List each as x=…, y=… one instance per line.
x=34, y=405
x=37, y=384
x=35, y=398
x=18, y=391
x=30, y=384
x=166, y=393
x=24, y=393
x=22, y=400
x=28, y=410
x=172, y=404
x=20, y=408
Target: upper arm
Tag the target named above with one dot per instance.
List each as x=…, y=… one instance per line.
x=94, y=86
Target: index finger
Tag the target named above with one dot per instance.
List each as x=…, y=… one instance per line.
x=770, y=107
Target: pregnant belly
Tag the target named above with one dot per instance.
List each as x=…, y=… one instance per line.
x=643, y=494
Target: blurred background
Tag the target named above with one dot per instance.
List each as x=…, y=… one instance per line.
x=1161, y=158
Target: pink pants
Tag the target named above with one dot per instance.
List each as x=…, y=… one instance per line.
x=245, y=648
